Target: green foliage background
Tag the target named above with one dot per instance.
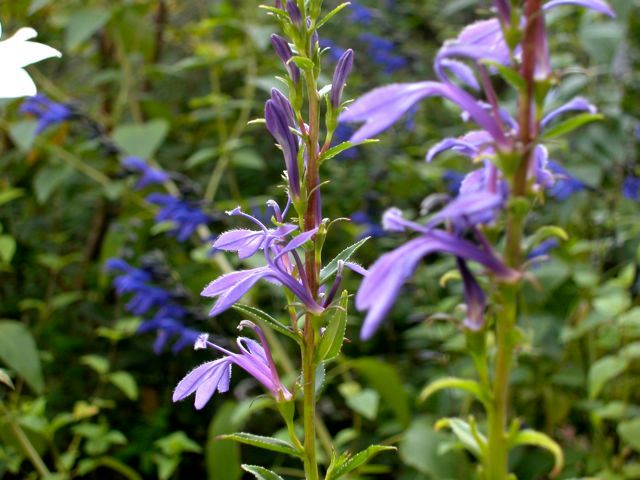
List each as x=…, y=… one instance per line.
x=176, y=82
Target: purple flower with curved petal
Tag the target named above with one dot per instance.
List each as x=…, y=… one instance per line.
x=186, y=216
x=577, y=104
x=383, y=106
x=47, y=112
x=149, y=174
x=254, y=358
x=474, y=297
x=597, y=5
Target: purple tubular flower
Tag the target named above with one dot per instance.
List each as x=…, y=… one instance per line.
x=474, y=297
x=281, y=46
x=383, y=106
x=47, y=112
x=381, y=286
x=577, y=104
x=294, y=12
x=150, y=175
x=631, y=188
x=280, y=258
x=278, y=119
x=285, y=105
x=504, y=10
x=469, y=209
x=597, y=5
x=340, y=74
x=137, y=282
x=565, y=184
x=460, y=71
x=254, y=358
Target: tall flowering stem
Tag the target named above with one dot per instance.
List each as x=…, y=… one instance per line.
x=516, y=170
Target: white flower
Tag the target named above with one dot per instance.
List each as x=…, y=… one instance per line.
x=16, y=53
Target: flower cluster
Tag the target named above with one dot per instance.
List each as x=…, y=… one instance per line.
x=160, y=306
x=465, y=65
x=47, y=112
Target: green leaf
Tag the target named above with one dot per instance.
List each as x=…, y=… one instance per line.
x=604, y=370
x=261, y=473
x=6, y=379
x=23, y=134
x=18, y=351
x=223, y=458
x=365, y=402
x=333, y=336
x=10, y=194
x=341, y=147
x=268, y=443
x=303, y=62
x=384, y=378
x=83, y=23
x=511, y=76
x=545, y=232
x=331, y=267
x=176, y=443
x=472, y=440
x=141, y=140
x=347, y=463
x=419, y=449
x=539, y=439
x=49, y=179
x=570, y=125
x=96, y=362
x=332, y=13
x=629, y=431
x=7, y=248
x=469, y=386
x=126, y=383
x=260, y=316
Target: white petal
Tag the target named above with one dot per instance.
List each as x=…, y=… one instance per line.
x=21, y=54
x=15, y=82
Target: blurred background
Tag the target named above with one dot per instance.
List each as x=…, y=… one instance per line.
x=114, y=182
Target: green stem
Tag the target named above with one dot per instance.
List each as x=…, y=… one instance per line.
x=26, y=445
x=309, y=388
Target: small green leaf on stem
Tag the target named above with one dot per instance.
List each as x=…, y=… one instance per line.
x=539, y=439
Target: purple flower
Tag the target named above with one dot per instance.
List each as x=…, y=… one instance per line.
x=340, y=75
x=383, y=106
x=137, y=282
x=565, y=184
x=47, y=112
x=543, y=248
x=278, y=114
x=281, y=257
x=383, y=52
x=294, y=12
x=597, y=5
x=381, y=286
x=254, y=358
x=360, y=14
x=149, y=175
x=631, y=188
x=474, y=297
x=281, y=46
x=186, y=216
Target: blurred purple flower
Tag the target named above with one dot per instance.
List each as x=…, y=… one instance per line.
x=543, y=248
x=47, y=112
x=186, y=216
x=138, y=283
x=565, y=184
x=149, y=175
x=383, y=52
x=254, y=358
x=360, y=14
x=631, y=188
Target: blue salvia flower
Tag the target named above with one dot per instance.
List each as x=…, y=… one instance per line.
x=371, y=228
x=360, y=14
x=383, y=53
x=631, y=188
x=148, y=174
x=186, y=216
x=334, y=52
x=543, y=249
x=565, y=184
x=47, y=111
x=135, y=281
x=254, y=358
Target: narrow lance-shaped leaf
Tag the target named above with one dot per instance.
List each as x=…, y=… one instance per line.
x=261, y=473
x=469, y=386
x=333, y=336
x=267, y=443
x=331, y=267
x=347, y=463
x=260, y=316
x=539, y=439
x=472, y=440
x=570, y=125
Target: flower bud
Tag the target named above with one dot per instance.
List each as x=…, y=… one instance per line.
x=283, y=51
x=294, y=12
x=342, y=71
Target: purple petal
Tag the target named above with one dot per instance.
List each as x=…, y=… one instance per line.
x=298, y=241
x=456, y=144
x=245, y=242
x=597, y=5
x=461, y=71
x=359, y=269
x=577, y=104
x=196, y=377
x=211, y=383
x=383, y=106
x=474, y=298
x=473, y=208
x=231, y=287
